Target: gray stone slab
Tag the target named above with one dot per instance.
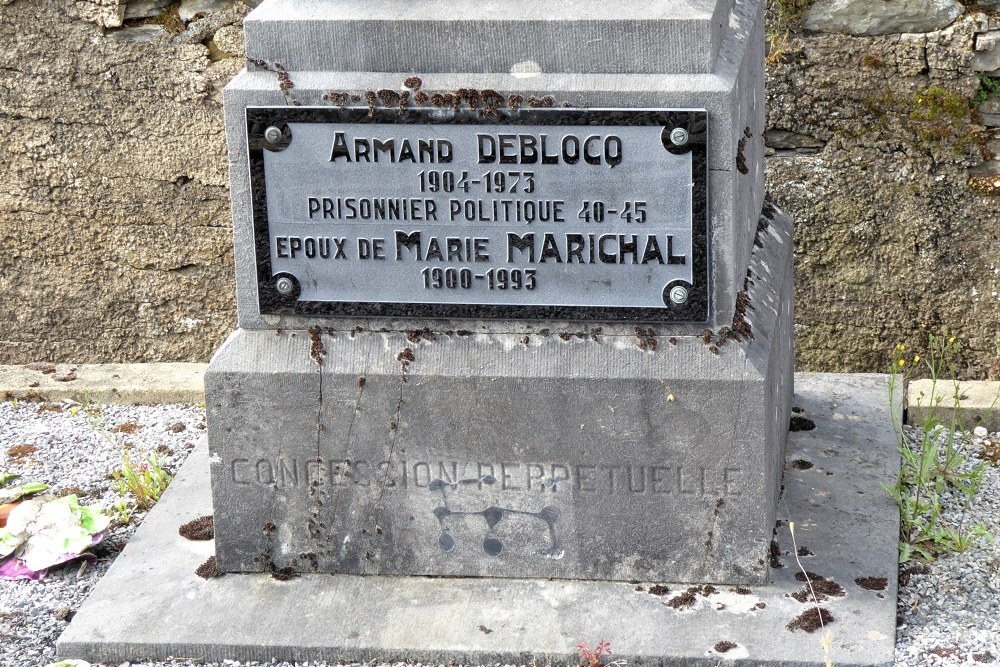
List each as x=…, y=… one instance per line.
x=621, y=36
x=476, y=455
x=732, y=94
x=842, y=516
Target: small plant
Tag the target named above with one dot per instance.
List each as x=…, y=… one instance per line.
x=123, y=511
x=592, y=657
x=145, y=481
x=987, y=86
x=785, y=17
x=936, y=464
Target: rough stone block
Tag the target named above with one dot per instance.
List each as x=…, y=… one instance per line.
x=987, y=55
x=858, y=17
x=618, y=36
x=592, y=456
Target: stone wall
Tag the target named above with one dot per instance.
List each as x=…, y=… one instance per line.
x=114, y=221
x=115, y=240
x=883, y=150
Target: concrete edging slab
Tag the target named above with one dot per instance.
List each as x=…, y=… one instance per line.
x=973, y=402
x=105, y=383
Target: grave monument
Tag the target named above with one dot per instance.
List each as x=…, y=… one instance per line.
x=515, y=314
x=511, y=300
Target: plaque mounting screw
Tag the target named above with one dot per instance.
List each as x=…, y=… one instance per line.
x=286, y=286
x=678, y=137
x=273, y=134
x=678, y=293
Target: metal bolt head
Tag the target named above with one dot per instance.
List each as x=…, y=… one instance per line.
x=272, y=134
x=284, y=285
x=678, y=137
x=678, y=294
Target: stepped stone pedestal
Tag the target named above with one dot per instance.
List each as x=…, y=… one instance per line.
x=597, y=427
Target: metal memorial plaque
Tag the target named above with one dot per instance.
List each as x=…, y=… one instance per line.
x=540, y=213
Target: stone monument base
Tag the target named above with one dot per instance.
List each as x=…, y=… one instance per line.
x=615, y=453
x=845, y=522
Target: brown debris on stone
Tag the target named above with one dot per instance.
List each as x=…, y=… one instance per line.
x=647, y=339
x=209, y=569
x=43, y=367
x=872, y=583
x=405, y=358
x=801, y=424
x=416, y=335
x=202, y=528
x=18, y=453
x=316, y=349
x=685, y=600
x=824, y=589
x=811, y=620
x=724, y=646
x=774, y=553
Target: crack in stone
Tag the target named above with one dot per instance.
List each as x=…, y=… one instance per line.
x=392, y=451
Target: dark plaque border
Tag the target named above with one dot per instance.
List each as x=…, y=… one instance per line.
x=272, y=302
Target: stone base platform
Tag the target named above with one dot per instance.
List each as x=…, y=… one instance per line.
x=151, y=605
x=615, y=453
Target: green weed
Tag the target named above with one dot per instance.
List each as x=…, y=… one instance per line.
x=987, y=86
x=122, y=511
x=786, y=16
x=938, y=464
x=145, y=481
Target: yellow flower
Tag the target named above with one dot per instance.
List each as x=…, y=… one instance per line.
x=951, y=340
x=902, y=362
x=916, y=358
x=900, y=347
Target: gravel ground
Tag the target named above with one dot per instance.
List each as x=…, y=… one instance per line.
x=948, y=612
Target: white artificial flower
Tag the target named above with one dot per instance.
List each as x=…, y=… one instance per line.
x=46, y=529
